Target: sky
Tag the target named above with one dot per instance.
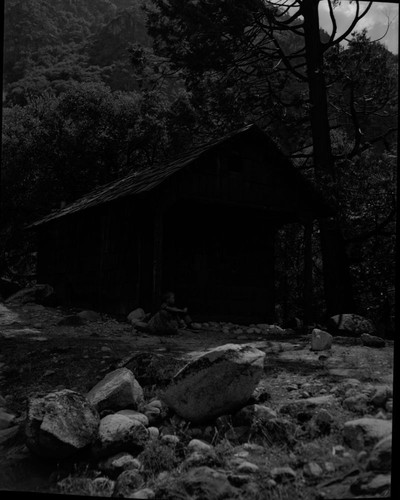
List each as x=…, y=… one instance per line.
x=375, y=21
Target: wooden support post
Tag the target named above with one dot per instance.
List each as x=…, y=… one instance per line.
x=308, y=284
x=157, y=256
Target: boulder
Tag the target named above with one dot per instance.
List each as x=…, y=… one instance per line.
x=115, y=465
x=40, y=293
x=365, y=432
x=320, y=340
x=118, y=390
x=372, y=340
x=60, y=424
x=381, y=455
x=368, y=484
x=352, y=325
x=137, y=315
x=127, y=483
x=119, y=433
x=217, y=383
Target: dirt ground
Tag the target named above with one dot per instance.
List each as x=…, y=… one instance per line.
x=38, y=356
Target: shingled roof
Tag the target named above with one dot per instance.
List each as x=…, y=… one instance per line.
x=147, y=179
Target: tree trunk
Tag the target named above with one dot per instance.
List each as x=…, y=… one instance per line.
x=337, y=279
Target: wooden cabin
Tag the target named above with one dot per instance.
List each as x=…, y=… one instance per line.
x=202, y=225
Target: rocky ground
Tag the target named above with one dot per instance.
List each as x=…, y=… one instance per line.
x=318, y=424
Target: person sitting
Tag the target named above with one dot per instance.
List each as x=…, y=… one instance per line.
x=169, y=318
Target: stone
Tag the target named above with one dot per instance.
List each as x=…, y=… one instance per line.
x=198, y=445
x=320, y=340
x=329, y=467
x=248, y=467
x=368, y=484
x=143, y=494
x=312, y=470
x=170, y=439
x=90, y=316
x=119, y=433
x=137, y=315
x=216, y=383
x=364, y=432
x=196, y=326
x=381, y=395
x=154, y=433
x=283, y=474
x=140, y=417
x=60, y=424
x=118, y=463
x=338, y=450
x=6, y=419
x=117, y=390
x=127, y=483
x=381, y=455
x=372, y=340
x=40, y=293
x=356, y=403
x=350, y=325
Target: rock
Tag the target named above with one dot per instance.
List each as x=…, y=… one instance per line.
x=356, y=403
x=381, y=455
x=365, y=432
x=372, y=340
x=248, y=468
x=218, y=382
x=137, y=315
x=320, y=340
x=381, y=395
x=117, y=464
x=338, y=450
x=7, y=435
x=118, y=390
x=369, y=484
x=90, y=316
x=154, y=433
x=350, y=325
x=60, y=424
x=283, y=474
x=143, y=494
x=140, y=417
x=40, y=293
x=119, y=433
x=312, y=470
x=198, y=445
x=6, y=419
x=329, y=467
x=128, y=483
x=196, y=326
x=152, y=413
x=170, y=439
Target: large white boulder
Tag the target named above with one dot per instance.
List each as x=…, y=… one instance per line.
x=118, y=390
x=320, y=340
x=366, y=432
x=218, y=382
x=60, y=424
x=119, y=433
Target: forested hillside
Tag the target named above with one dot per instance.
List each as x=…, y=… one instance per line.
x=51, y=44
